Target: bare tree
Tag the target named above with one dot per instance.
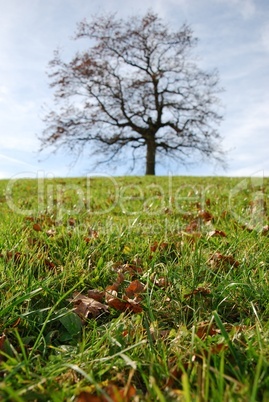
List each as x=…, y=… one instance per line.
x=137, y=86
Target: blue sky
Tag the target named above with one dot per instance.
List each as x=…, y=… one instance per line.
x=233, y=37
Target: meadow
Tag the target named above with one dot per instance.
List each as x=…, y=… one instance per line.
x=134, y=289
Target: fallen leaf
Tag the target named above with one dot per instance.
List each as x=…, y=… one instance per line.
x=217, y=259
x=114, y=393
x=132, y=269
x=72, y=222
x=37, y=227
x=16, y=257
x=175, y=372
x=93, y=233
x=205, y=328
x=193, y=227
x=218, y=348
x=200, y=290
x=51, y=232
x=191, y=237
x=214, y=233
x=89, y=397
x=96, y=294
x=205, y=215
x=162, y=282
x=29, y=218
x=2, y=342
x=85, y=306
x=111, y=293
x=250, y=228
x=49, y=264
x=134, y=288
x=117, y=304
x=131, y=305
x=158, y=246
x=115, y=286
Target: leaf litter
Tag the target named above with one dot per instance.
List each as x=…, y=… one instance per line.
x=125, y=294
x=98, y=302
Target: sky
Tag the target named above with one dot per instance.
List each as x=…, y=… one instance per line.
x=233, y=37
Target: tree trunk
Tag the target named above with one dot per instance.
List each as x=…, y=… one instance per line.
x=151, y=156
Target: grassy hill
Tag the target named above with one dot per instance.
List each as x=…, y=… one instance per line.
x=134, y=289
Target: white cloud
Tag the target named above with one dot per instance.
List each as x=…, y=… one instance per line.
x=246, y=8
x=265, y=37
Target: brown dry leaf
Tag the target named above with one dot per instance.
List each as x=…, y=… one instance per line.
x=16, y=257
x=132, y=305
x=111, y=293
x=51, y=232
x=250, y=228
x=175, y=372
x=113, y=392
x=72, y=221
x=205, y=328
x=121, y=395
x=37, y=227
x=258, y=206
x=49, y=264
x=132, y=269
x=93, y=233
x=200, y=290
x=89, y=397
x=130, y=301
x=158, y=246
x=2, y=342
x=218, y=348
x=85, y=306
x=214, y=233
x=117, y=303
x=217, y=259
x=205, y=353
x=16, y=323
x=162, y=282
x=205, y=215
x=134, y=288
x=190, y=238
x=154, y=247
x=193, y=227
x=112, y=290
x=29, y=219
x=120, y=278
x=96, y=294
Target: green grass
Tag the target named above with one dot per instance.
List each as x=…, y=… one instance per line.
x=203, y=329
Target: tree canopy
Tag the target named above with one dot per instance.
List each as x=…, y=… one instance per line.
x=136, y=91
